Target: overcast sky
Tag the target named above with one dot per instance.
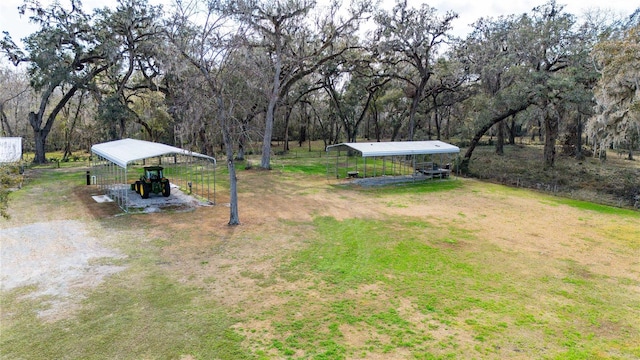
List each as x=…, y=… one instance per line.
x=468, y=10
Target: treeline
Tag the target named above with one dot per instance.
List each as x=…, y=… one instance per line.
x=224, y=75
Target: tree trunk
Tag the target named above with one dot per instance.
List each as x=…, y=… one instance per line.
x=500, y=139
x=302, y=135
x=40, y=138
x=579, y=154
x=304, y=125
x=539, y=130
x=551, y=125
x=67, y=145
x=512, y=132
x=69, y=132
x=286, y=129
x=447, y=127
x=242, y=138
x=414, y=106
x=265, y=162
x=412, y=116
x=395, y=130
x=464, y=166
x=429, y=132
x=234, y=218
x=436, y=119
x=5, y=129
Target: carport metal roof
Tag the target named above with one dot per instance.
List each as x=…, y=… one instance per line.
x=122, y=152
x=399, y=148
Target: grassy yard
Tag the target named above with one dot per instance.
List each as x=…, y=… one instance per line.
x=322, y=270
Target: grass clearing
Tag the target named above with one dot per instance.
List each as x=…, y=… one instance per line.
x=599, y=208
x=432, y=270
x=126, y=318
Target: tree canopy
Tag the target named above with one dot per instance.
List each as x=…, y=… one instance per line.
x=275, y=70
x=617, y=92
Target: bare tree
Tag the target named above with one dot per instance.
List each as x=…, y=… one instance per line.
x=14, y=89
x=207, y=45
x=408, y=39
x=296, y=46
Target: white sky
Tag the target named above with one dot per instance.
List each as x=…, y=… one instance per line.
x=468, y=10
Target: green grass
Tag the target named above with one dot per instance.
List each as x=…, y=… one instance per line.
x=46, y=177
x=601, y=209
x=157, y=319
x=390, y=257
x=51, y=192
x=364, y=270
x=308, y=168
x=415, y=188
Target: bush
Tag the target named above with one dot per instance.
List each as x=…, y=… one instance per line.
x=10, y=177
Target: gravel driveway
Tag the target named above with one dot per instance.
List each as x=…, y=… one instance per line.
x=58, y=257
x=156, y=202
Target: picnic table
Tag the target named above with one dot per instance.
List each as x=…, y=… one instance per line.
x=433, y=170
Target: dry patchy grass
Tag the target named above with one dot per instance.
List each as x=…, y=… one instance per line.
x=318, y=270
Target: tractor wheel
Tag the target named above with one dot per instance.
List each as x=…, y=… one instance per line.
x=145, y=189
x=166, y=189
x=136, y=187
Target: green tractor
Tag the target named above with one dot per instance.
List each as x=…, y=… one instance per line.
x=152, y=181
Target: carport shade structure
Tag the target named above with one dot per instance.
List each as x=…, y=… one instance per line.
x=412, y=155
x=110, y=161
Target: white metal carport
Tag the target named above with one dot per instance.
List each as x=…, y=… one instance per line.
x=407, y=158
x=110, y=162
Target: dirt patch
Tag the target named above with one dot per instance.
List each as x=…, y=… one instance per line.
x=95, y=209
x=59, y=257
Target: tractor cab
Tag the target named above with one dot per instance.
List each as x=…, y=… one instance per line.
x=152, y=181
x=153, y=172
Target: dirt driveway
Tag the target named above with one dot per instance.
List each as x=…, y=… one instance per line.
x=59, y=258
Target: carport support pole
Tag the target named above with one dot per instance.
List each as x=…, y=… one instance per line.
x=215, y=170
x=126, y=189
x=364, y=160
x=413, y=163
x=374, y=167
x=183, y=174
